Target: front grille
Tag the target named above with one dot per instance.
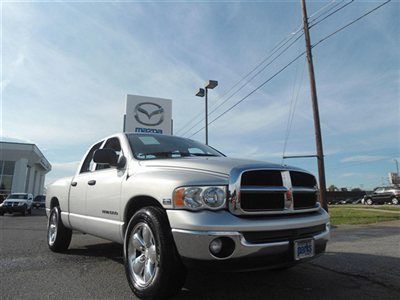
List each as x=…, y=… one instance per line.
x=272, y=192
x=304, y=200
x=282, y=235
x=262, y=201
x=302, y=179
x=262, y=178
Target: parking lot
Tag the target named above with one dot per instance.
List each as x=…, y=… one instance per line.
x=362, y=261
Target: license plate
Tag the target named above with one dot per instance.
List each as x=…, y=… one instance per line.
x=303, y=249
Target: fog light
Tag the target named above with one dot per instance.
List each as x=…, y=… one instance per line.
x=222, y=247
x=216, y=246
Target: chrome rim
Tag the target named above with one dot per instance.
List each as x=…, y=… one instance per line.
x=142, y=255
x=52, y=231
x=395, y=201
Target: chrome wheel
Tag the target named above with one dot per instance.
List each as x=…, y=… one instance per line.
x=395, y=201
x=52, y=230
x=142, y=255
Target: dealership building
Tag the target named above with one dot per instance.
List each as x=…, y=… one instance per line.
x=23, y=168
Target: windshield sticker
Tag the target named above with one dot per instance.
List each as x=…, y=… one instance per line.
x=149, y=140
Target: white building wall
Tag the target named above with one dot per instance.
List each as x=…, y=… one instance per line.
x=31, y=177
x=41, y=183
x=19, y=176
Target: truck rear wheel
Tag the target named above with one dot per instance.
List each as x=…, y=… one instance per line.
x=152, y=264
x=58, y=236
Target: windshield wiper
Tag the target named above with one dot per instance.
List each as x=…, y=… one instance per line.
x=202, y=154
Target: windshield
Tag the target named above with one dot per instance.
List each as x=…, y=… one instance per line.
x=156, y=146
x=17, y=196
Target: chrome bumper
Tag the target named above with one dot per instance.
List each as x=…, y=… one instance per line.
x=193, y=241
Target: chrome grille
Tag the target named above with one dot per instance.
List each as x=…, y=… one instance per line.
x=268, y=191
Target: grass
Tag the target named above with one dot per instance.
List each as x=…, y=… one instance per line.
x=372, y=207
x=355, y=214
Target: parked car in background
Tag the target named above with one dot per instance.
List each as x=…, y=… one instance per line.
x=382, y=195
x=17, y=202
x=39, y=201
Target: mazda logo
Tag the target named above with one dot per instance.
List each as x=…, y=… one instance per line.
x=149, y=113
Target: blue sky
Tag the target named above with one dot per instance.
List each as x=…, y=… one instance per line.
x=67, y=67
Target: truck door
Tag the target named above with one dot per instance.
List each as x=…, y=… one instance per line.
x=77, y=194
x=103, y=197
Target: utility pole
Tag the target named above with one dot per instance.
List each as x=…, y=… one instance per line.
x=206, y=119
x=314, y=99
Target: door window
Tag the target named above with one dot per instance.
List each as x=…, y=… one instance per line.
x=88, y=163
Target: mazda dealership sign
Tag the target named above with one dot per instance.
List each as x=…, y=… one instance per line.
x=148, y=114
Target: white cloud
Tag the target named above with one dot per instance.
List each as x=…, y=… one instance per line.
x=363, y=158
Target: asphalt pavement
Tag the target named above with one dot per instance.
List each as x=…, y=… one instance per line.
x=361, y=262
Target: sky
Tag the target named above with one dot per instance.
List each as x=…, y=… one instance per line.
x=67, y=68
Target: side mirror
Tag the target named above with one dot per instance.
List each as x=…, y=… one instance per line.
x=105, y=156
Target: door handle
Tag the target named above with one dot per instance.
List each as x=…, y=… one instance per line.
x=74, y=183
x=91, y=182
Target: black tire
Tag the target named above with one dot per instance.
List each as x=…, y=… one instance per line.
x=25, y=211
x=63, y=235
x=30, y=211
x=171, y=274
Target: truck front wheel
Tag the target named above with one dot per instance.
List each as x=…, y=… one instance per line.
x=152, y=264
x=58, y=236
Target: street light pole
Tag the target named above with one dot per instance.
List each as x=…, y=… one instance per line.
x=397, y=165
x=203, y=92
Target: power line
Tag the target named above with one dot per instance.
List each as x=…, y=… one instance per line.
x=252, y=92
x=247, y=82
x=287, y=38
x=350, y=23
x=332, y=13
x=274, y=50
x=292, y=112
x=291, y=62
x=323, y=8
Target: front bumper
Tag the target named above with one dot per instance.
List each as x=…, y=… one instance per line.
x=193, y=232
x=12, y=209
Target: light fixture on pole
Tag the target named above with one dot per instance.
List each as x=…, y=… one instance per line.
x=211, y=84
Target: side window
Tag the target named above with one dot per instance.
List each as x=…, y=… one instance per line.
x=112, y=143
x=88, y=163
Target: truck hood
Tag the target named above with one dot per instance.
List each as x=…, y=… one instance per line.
x=222, y=165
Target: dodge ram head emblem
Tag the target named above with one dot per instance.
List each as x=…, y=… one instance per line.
x=149, y=113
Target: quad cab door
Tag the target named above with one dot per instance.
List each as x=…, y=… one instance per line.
x=103, y=196
x=77, y=191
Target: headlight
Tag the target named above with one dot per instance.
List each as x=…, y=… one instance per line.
x=200, y=197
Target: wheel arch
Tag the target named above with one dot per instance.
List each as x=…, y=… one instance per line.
x=54, y=202
x=135, y=204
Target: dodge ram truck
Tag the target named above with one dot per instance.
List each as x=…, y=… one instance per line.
x=174, y=203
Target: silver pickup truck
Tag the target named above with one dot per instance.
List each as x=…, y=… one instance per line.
x=174, y=202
